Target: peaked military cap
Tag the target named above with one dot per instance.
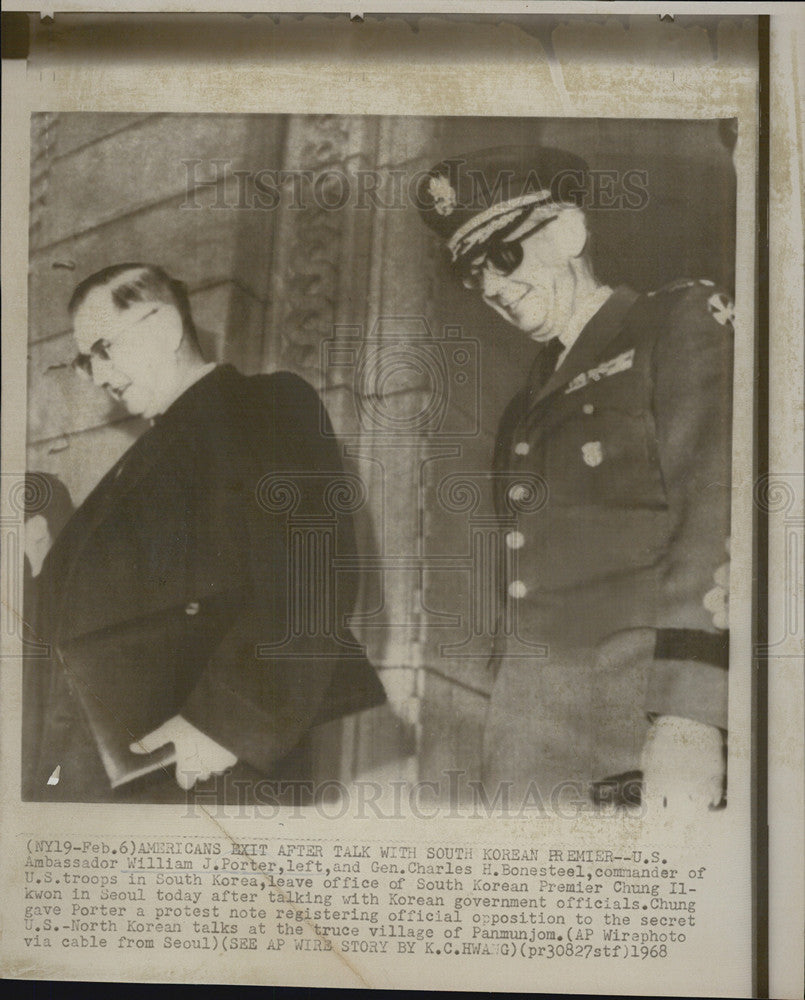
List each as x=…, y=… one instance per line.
x=469, y=199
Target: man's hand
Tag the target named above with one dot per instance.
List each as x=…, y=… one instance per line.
x=197, y=756
x=401, y=691
x=717, y=600
x=684, y=765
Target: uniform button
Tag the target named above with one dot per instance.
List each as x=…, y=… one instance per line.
x=515, y=539
x=192, y=608
x=522, y=448
x=517, y=589
x=592, y=453
x=518, y=492
x=588, y=408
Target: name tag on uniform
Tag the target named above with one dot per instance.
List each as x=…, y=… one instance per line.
x=623, y=362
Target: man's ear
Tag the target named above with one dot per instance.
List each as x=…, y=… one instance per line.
x=571, y=233
x=172, y=328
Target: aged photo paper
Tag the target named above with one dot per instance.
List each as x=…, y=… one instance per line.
x=380, y=503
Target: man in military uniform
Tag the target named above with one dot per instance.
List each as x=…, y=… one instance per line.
x=626, y=418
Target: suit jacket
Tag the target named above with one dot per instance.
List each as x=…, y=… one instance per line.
x=631, y=439
x=183, y=567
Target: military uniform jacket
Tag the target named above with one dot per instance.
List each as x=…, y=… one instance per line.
x=626, y=449
x=180, y=562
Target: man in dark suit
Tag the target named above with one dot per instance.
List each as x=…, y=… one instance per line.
x=626, y=421
x=170, y=601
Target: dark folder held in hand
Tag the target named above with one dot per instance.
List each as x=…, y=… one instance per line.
x=124, y=694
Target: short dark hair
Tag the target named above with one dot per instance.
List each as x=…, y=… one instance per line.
x=136, y=282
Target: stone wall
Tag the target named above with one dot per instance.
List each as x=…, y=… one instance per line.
x=108, y=188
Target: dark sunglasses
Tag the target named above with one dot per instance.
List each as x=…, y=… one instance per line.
x=504, y=256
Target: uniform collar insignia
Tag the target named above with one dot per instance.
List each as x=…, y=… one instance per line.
x=620, y=363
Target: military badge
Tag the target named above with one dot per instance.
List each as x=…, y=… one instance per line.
x=681, y=285
x=592, y=453
x=443, y=194
x=721, y=308
x=621, y=363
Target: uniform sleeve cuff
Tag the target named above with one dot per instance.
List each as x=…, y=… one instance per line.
x=693, y=644
x=689, y=689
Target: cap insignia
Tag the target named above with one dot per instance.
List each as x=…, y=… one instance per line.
x=443, y=194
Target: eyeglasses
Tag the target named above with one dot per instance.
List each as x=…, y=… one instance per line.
x=100, y=350
x=82, y=363
x=503, y=256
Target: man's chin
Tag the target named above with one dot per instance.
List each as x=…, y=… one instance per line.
x=134, y=406
x=541, y=334
x=537, y=328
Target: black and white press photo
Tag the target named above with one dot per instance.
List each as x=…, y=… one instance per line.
x=389, y=503
x=398, y=447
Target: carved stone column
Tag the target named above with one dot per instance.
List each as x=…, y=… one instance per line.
x=350, y=309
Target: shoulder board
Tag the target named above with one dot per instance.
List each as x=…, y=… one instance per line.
x=699, y=294
x=683, y=284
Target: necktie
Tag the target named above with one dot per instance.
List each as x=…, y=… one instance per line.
x=546, y=365
x=516, y=418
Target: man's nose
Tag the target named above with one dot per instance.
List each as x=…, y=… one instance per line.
x=492, y=283
x=101, y=371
